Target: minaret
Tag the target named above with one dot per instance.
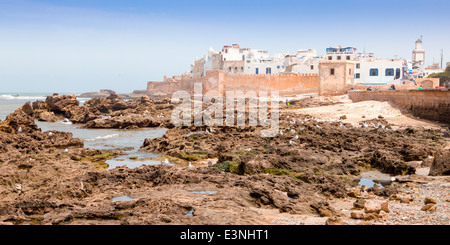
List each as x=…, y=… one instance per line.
x=418, y=59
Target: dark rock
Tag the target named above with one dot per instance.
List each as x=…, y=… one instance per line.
x=441, y=163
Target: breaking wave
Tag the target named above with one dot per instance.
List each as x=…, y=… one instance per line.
x=102, y=137
x=22, y=97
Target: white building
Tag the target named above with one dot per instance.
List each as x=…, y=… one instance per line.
x=370, y=70
x=232, y=53
x=304, y=61
x=236, y=60
x=418, y=56
x=212, y=59
x=432, y=69
x=258, y=61
x=340, y=53
x=379, y=71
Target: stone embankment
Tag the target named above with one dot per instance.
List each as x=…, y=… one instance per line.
x=431, y=104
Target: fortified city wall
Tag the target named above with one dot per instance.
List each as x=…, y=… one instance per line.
x=432, y=104
x=285, y=84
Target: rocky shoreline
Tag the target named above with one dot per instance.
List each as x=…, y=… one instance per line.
x=109, y=112
x=307, y=174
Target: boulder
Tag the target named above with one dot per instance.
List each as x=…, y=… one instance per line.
x=335, y=221
x=354, y=192
x=47, y=117
x=27, y=108
x=357, y=215
x=385, y=207
x=359, y=204
x=427, y=162
x=382, y=215
x=372, y=207
x=429, y=200
x=441, y=163
x=103, y=93
x=371, y=216
x=405, y=200
x=19, y=121
x=429, y=207
x=60, y=104
x=324, y=209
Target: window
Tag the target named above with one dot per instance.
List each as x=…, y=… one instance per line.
x=243, y=57
x=257, y=71
x=278, y=67
x=312, y=67
x=373, y=72
x=242, y=68
x=330, y=57
x=268, y=70
x=389, y=72
x=357, y=75
x=350, y=71
x=229, y=69
x=235, y=69
x=397, y=73
x=226, y=50
x=348, y=57
x=358, y=65
x=332, y=71
x=339, y=58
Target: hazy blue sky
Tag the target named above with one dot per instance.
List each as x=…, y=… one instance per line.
x=87, y=45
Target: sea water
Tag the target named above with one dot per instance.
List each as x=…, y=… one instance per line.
x=371, y=177
x=9, y=102
x=128, y=141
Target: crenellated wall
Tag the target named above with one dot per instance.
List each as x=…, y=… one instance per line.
x=286, y=84
x=427, y=83
x=432, y=104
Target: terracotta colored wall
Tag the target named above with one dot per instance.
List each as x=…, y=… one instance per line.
x=335, y=84
x=219, y=81
x=432, y=104
x=285, y=84
x=407, y=86
x=427, y=83
x=431, y=82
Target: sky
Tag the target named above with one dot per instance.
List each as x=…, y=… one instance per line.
x=76, y=46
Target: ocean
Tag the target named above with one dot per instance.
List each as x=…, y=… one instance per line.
x=103, y=139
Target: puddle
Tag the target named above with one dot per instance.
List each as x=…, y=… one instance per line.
x=191, y=213
x=367, y=182
x=370, y=178
x=128, y=141
x=106, y=139
x=203, y=192
x=123, y=199
x=194, y=133
x=134, y=160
